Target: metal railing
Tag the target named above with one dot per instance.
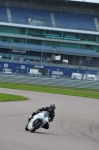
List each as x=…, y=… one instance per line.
x=61, y=82
x=70, y=65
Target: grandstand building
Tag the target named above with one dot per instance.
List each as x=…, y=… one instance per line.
x=49, y=35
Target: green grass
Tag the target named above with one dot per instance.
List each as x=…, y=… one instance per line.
x=10, y=97
x=55, y=90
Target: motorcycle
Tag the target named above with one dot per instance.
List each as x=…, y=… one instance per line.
x=38, y=121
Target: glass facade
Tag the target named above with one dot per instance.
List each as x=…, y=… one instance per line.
x=52, y=38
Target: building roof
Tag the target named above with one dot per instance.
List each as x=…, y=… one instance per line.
x=60, y=3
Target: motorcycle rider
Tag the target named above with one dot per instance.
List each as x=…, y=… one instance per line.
x=50, y=109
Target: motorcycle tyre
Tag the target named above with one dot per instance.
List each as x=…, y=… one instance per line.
x=37, y=126
x=26, y=128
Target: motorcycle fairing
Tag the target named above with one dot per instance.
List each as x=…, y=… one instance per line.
x=42, y=116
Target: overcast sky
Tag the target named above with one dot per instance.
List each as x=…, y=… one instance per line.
x=92, y=1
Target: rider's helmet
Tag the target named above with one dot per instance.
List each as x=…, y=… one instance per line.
x=52, y=106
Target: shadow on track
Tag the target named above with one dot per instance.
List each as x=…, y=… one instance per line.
x=36, y=132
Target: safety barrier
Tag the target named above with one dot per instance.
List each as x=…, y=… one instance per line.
x=66, y=82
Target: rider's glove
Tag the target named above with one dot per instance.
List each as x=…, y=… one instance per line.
x=50, y=120
x=29, y=118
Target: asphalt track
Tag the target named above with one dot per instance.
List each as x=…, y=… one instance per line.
x=75, y=127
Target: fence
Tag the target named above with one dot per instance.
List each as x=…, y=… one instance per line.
x=49, y=81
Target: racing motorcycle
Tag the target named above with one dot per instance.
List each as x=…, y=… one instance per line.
x=38, y=121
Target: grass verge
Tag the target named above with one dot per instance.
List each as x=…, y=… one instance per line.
x=10, y=97
x=55, y=90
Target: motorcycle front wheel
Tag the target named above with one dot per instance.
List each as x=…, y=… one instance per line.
x=26, y=127
x=36, y=126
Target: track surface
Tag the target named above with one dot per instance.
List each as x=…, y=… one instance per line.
x=75, y=127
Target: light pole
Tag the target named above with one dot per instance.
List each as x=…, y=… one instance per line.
x=27, y=71
x=0, y=68
x=48, y=73
x=42, y=55
x=57, y=69
x=97, y=75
